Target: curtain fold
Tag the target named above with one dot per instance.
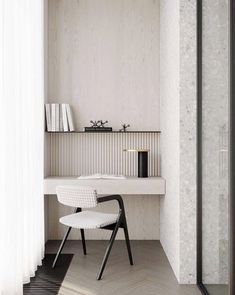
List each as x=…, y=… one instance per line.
x=21, y=142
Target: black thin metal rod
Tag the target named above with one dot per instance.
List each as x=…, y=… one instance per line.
x=121, y=223
x=203, y=289
x=82, y=233
x=61, y=246
x=232, y=153
x=108, y=250
x=64, y=240
x=83, y=241
x=199, y=143
x=127, y=241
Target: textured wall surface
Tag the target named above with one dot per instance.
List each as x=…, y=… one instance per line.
x=169, y=118
x=88, y=153
x=188, y=125
x=142, y=217
x=104, y=60
x=215, y=141
x=178, y=140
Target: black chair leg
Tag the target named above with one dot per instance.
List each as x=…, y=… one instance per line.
x=61, y=246
x=83, y=241
x=128, y=242
x=107, y=252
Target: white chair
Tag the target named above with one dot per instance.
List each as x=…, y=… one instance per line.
x=85, y=197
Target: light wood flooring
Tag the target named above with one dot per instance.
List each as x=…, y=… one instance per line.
x=150, y=275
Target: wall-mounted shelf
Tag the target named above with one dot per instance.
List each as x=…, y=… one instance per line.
x=94, y=132
x=129, y=186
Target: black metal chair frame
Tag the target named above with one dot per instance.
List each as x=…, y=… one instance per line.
x=121, y=223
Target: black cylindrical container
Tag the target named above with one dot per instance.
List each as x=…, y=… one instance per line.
x=142, y=163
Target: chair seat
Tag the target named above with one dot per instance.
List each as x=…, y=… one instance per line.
x=89, y=219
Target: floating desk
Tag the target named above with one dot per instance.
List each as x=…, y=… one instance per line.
x=128, y=186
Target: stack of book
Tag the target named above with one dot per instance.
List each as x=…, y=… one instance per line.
x=59, y=117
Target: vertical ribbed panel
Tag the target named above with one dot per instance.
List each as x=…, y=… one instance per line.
x=73, y=154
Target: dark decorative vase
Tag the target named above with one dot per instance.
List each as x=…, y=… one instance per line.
x=142, y=163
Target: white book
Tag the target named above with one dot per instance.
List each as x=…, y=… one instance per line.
x=64, y=117
x=57, y=117
x=70, y=118
x=102, y=176
x=53, y=117
x=61, y=118
x=48, y=116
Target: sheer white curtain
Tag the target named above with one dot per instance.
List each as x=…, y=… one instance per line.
x=21, y=142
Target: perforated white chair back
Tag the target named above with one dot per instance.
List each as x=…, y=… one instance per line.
x=77, y=196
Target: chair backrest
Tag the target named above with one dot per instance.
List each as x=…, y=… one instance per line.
x=77, y=196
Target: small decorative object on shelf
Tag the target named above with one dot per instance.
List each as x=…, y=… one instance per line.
x=142, y=161
x=95, y=124
x=59, y=118
x=124, y=127
x=98, y=126
x=102, y=123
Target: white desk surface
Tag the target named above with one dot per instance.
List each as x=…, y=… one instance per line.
x=128, y=186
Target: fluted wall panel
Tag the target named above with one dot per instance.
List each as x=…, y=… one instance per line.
x=73, y=154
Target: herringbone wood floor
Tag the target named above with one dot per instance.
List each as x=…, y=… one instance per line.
x=150, y=275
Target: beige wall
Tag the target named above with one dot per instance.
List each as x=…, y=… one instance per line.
x=142, y=217
x=104, y=61
x=169, y=92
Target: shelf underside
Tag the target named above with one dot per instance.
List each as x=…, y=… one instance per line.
x=129, y=186
x=94, y=132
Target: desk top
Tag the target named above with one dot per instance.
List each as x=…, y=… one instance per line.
x=128, y=186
